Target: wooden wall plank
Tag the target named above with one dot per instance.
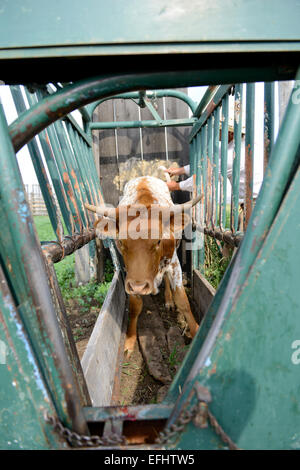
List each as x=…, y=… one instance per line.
x=99, y=361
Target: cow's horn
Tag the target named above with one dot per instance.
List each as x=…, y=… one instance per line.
x=189, y=204
x=109, y=212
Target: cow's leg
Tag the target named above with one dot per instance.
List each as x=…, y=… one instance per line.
x=183, y=305
x=135, y=308
x=179, y=294
x=169, y=303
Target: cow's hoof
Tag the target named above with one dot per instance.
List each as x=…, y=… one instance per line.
x=129, y=346
x=170, y=306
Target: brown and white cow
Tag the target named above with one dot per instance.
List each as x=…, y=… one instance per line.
x=147, y=227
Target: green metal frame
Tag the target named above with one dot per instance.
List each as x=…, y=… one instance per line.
x=242, y=353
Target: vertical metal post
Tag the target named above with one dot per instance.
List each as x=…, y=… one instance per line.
x=40, y=171
x=224, y=153
x=65, y=178
x=200, y=205
x=269, y=128
x=216, y=156
x=235, y=190
x=249, y=151
x=72, y=170
x=32, y=291
x=209, y=186
x=193, y=172
x=54, y=174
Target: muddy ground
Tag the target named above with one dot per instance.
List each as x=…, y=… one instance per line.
x=163, y=340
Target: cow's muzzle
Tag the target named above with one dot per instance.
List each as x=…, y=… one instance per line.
x=138, y=287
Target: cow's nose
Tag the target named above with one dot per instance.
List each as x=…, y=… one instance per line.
x=138, y=287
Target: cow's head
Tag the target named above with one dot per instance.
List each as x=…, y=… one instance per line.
x=146, y=236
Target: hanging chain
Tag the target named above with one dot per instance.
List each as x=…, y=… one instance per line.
x=199, y=413
x=79, y=440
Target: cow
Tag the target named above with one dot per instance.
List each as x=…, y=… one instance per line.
x=147, y=228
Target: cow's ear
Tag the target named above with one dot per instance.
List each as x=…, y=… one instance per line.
x=179, y=222
x=106, y=228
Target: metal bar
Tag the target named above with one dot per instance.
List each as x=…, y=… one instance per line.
x=67, y=334
x=215, y=99
x=84, y=92
x=249, y=151
x=91, y=159
x=53, y=171
x=69, y=245
x=71, y=169
x=40, y=171
x=224, y=153
x=21, y=250
x=226, y=235
x=269, y=112
x=64, y=175
x=143, y=124
x=201, y=206
x=149, y=94
x=23, y=393
x=193, y=171
x=276, y=179
x=235, y=189
x=153, y=110
x=216, y=150
x=69, y=117
x=209, y=187
x=92, y=173
x=79, y=164
x=78, y=129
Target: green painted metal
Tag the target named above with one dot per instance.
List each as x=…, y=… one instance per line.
x=249, y=153
x=54, y=173
x=24, y=397
x=41, y=174
x=252, y=370
x=224, y=150
x=118, y=26
x=208, y=221
x=134, y=95
x=276, y=179
x=25, y=270
x=211, y=99
x=238, y=112
x=216, y=165
x=269, y=124
x=254, y=392
x=143, y=124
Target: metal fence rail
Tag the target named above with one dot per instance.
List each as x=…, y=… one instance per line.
x=209, y=151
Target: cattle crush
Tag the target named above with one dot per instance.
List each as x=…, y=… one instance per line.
x=235, y=384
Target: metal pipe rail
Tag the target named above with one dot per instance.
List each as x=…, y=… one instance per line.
x=210, y=139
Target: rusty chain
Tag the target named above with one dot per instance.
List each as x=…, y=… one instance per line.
x=199, y=413
x=79, y=440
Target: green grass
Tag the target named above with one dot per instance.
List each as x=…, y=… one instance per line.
x=65, y=269
x=86, y=295
x=215, y=263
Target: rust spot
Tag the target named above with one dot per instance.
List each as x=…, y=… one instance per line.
x=213, y=370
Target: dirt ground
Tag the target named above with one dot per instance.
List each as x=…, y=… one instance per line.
x=163, y=340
